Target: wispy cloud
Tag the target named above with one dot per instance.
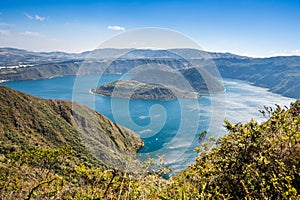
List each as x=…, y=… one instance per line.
x=4, y=32
x=30, y=33
x=28, y=16
x=6, y=24
x=296, y=52
x=116, y=28
x=36, y=17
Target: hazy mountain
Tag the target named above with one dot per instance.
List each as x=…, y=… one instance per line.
x=279, y=74
x=13, y=56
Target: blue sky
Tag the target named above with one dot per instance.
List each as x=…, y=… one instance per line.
x=248, y=27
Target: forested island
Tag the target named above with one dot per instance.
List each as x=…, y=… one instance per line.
x=132, y=89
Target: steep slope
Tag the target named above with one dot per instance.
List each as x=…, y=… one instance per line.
x=27, y=121
x=280, y=74
x=191, y=79
x=202, y=81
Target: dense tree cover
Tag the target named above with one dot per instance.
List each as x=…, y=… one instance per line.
x=254, y=161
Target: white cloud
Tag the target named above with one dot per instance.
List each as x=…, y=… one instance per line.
x=30, y=33
x=296, y=52
x=36, y=17
x=116, y=28
x=4, y=32
x=39, y=18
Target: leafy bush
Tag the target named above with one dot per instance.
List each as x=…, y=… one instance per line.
x=254, y=161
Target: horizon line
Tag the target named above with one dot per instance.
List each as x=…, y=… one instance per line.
x=151, y=48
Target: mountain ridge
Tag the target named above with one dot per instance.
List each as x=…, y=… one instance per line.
x=279, y=74
x=55, y=123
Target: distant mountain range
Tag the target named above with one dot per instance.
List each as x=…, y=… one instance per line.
x=13, y=56
x=279, y=74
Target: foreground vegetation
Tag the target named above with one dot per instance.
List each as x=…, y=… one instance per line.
x=254, y=161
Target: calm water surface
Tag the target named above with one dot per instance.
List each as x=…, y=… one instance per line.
x=167, y=127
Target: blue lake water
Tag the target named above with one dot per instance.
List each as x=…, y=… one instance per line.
x=168, y=128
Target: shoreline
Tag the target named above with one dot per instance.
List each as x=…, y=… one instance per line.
x=118, y=97
x=236, y=79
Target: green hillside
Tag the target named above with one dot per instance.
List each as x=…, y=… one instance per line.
x=40, y=138
x=254, y=161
